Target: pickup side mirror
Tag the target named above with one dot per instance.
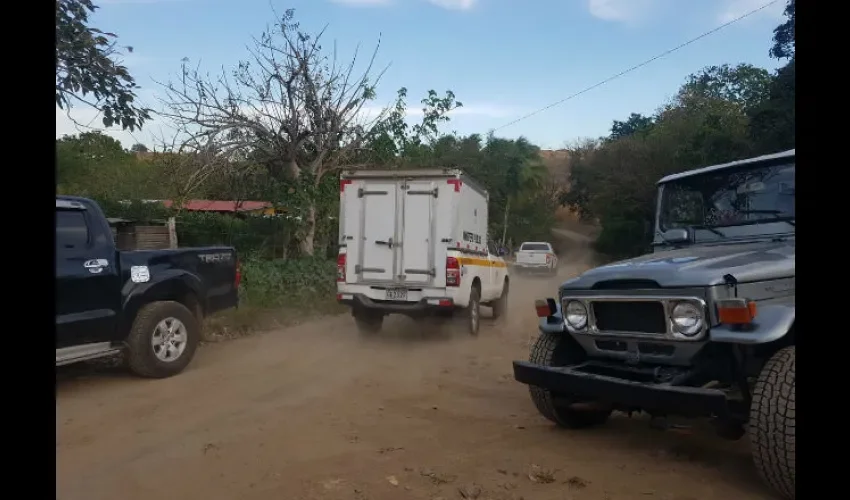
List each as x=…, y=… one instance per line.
x=676, y=235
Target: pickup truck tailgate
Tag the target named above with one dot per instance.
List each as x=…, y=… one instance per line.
x=532, y=257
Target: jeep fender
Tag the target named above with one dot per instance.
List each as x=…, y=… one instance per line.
x=772, y=322
x=553, y=323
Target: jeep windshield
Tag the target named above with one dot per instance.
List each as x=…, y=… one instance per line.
x=731, y=203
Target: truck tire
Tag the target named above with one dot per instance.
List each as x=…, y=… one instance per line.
x=473, y=311
x=500, y=305
x=772, y=423
x=162, y=340
x=367, y=323
x=560, y=350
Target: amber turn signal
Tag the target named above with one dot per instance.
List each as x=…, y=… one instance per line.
x=736, y=311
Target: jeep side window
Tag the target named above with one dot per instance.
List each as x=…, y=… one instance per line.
x=71, y=229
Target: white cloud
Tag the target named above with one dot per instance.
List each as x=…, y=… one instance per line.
x=363, y=3
x=733, y=9
x=455, y=4
x=624, y=11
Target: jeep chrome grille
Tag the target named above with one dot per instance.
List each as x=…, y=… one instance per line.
x=637, y=317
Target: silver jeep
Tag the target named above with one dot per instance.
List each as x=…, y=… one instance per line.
x=701, y=327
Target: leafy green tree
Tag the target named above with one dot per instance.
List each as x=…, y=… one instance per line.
x=636, y=123
x=785, y=36
x=744, y=84
x=773, y=122
x=139, y=148
x=88, y=71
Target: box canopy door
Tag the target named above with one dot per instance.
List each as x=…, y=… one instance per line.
x=378, y=245
x=417, y=250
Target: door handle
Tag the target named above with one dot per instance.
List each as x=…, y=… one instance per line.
x=95, y=265
x=388, y=243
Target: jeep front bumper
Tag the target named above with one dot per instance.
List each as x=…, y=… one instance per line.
x=653, y=397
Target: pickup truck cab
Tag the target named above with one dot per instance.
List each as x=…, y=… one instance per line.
x=147, y=304
x=536, y=256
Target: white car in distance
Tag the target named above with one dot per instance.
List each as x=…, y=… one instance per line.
x=536, y=257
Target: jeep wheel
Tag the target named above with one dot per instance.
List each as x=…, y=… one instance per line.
x=560, y=350
x=368, y=323
x=772, y=423
x=500, y=305
x=162, y=340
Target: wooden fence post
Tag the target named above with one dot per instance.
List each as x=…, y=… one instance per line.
x=172, y=232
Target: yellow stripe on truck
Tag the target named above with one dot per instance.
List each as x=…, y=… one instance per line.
x=472, y=261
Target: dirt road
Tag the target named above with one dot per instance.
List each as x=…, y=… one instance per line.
x=313, y=412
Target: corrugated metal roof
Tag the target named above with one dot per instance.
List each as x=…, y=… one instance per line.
x=221, y=205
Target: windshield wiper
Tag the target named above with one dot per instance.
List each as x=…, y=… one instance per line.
x=784, y=217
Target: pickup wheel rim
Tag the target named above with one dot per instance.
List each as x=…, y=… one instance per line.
x=169, y=339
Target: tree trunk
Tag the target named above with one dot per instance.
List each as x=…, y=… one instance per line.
x=306, y=243
x=505, y=226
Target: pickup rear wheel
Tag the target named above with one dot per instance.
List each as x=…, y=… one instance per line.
x=773, y=422
x=561, y=350
x=473, y=311
x=500, y=305
x=368, y=323
x=162, y=340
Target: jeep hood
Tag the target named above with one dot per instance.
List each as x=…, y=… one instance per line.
x=698, y=266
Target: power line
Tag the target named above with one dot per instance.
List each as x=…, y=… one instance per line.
x=638, y=66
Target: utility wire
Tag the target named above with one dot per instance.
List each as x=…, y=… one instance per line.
x=637, y=66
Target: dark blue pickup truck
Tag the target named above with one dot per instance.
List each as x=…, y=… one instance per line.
x=147, y=304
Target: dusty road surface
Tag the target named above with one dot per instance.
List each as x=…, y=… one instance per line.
x=313, y=412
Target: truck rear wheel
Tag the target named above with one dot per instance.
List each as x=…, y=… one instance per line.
x=772, y=423
x=561, y=350
x=500, y=305
x=162, y=340
x=473, y=311
x=368, y=323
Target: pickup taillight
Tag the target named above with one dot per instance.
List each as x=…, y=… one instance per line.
x=238, y=278
x=340, y=268
x=452, y=271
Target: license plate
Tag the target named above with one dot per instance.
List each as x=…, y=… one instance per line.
x=396, y=294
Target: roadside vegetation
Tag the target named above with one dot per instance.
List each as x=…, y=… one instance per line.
x=720, y=114
x=282, y=124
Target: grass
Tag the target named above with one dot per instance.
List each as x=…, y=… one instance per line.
x=278, y=293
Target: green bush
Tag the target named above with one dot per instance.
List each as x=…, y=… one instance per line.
x=297, y=283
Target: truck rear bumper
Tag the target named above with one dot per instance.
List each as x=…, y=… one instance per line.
x=652, y=397
x=420, y=308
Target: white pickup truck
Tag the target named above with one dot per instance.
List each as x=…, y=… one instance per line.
x=536, y=256
x=414, y=242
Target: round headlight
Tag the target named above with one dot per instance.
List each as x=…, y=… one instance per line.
x=576, y=314
x=687, y=318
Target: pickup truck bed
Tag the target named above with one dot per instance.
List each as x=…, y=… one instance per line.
x=149, y=304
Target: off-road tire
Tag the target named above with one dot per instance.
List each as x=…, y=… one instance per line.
x=473, y=311
x=141, y=358
x=772, y=423
x=559, y=350
x=500, y=305
x=368, y=324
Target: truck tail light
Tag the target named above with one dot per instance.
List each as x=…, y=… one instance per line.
x=238, y=278
x=452, y=271
x=340, y=268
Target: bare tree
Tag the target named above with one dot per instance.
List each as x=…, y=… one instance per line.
x=292, y=107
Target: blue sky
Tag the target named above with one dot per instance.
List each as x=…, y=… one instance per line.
x=502, y=58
